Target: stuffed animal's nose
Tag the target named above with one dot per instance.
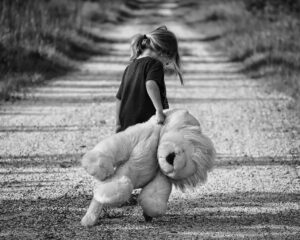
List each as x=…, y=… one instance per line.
x=170, y=158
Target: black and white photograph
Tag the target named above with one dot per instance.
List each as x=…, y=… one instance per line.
x=150, y=119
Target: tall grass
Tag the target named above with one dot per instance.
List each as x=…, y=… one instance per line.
x=264, y=34
x=40, y=39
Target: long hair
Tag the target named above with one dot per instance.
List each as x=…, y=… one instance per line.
x=160, y=40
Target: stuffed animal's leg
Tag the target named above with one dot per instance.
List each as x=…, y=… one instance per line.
x=92, y=214
x=112, y=192
x=154, y=196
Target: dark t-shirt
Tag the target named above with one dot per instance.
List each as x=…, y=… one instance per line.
x=136, y=105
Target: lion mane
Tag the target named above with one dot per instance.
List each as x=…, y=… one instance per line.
x=200, y=151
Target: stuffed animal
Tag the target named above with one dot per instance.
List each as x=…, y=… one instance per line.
x=151, y=157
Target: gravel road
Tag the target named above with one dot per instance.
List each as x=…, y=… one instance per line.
x=253, y=192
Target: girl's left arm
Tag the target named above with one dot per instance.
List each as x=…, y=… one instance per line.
x=154, y=94
x=118, y=104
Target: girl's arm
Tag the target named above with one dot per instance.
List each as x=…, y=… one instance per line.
x=118, y=104
x=154, y=94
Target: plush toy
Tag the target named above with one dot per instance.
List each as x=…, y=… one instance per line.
x=151, y=157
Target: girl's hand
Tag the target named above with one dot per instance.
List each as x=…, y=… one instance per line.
x=160, y=117
x=118, y=128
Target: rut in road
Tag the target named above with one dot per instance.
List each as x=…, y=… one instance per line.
x=252, y=192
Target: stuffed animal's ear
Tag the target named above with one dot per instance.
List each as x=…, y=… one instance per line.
x=178, y=119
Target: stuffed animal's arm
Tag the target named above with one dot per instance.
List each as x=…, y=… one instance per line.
x=154, y=196
x=101, y=161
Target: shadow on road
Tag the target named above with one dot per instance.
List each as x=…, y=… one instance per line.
x=237, y=215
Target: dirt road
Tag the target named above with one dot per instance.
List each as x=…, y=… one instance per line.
x=253, y=192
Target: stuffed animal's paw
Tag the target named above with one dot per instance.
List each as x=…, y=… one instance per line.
x=92, y=215
x=89, y=220
x=105, y=170
x=98, y=165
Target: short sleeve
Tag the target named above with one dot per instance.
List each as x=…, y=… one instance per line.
x=119, y=93
x=155, y=72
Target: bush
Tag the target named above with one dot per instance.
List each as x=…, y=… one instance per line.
x=42, y=37
x=272, y=5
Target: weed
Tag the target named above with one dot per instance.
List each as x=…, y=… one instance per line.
x=263, y=34
x=41, y=39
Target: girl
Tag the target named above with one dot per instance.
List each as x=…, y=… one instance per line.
x=142, y=92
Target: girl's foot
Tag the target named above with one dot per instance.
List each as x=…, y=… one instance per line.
x=147, y=218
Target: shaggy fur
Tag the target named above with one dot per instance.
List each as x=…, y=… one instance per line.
x=193, y=150
x=151, y=157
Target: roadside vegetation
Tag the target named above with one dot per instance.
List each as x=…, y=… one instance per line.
x=41, y=39
x=263, y=34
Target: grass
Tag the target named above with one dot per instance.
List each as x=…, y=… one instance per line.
x=263, y=36
x=42, y=39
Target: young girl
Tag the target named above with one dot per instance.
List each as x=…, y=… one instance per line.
x=142, y=92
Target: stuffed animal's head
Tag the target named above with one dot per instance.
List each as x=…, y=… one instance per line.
x=185, y=155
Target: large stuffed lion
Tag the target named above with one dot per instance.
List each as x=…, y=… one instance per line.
x=151, y=157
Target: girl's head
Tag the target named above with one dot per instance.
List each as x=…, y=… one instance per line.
x=162, y=42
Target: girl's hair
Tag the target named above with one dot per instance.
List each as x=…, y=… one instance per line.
x=160, y=40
